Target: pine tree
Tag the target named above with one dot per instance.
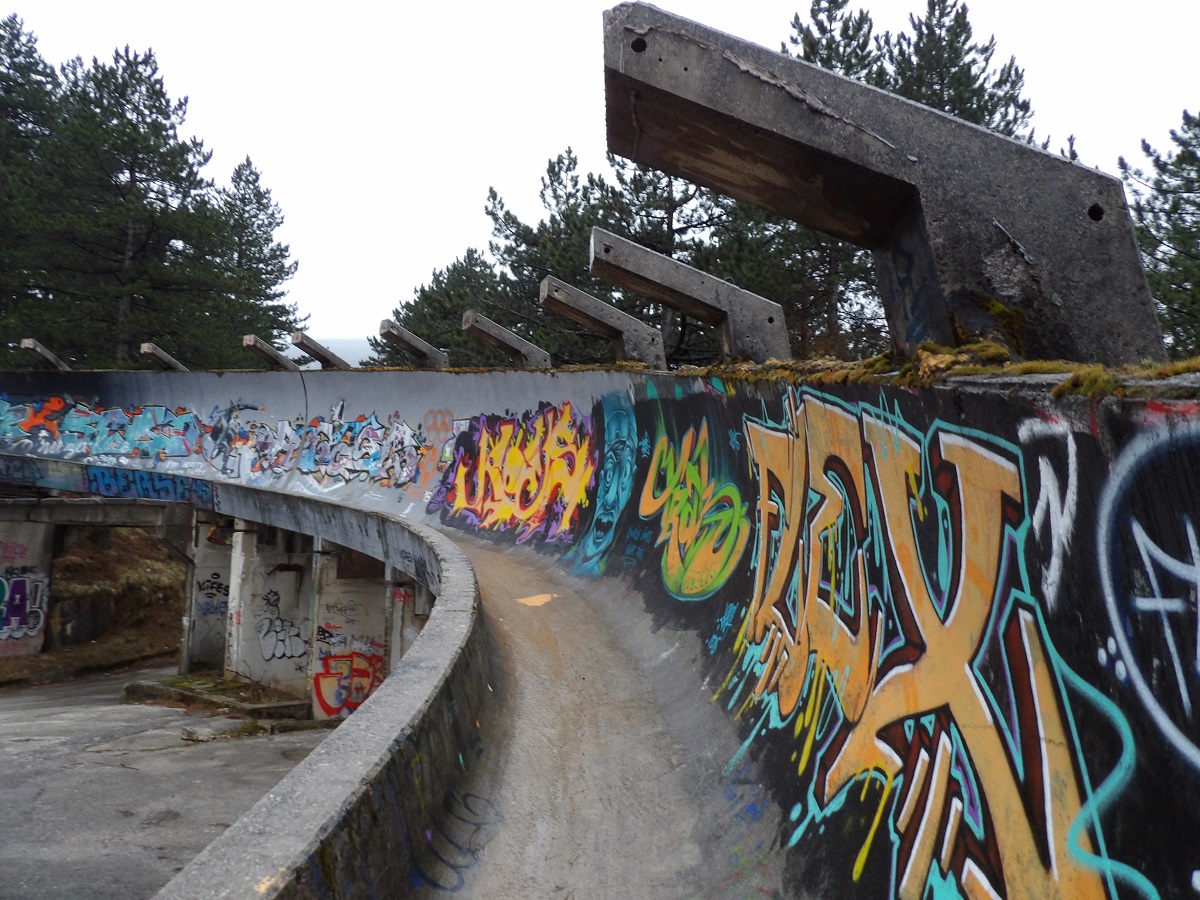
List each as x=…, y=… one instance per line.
x=28, y=93
x=941, y=66
x=1166, y=214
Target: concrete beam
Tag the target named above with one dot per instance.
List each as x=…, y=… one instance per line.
x=162, y=358
x=427, y=355
x=747, y=325
x=631, y=337
x=529, y=355
x=38, y=349
x=322, y=354
x=274, y=358
x=116, y=513
x=973, y=234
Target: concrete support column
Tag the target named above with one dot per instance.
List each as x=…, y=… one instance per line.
x=208, y=601
x=26, y=554
x=270, y=607
x=350, y=640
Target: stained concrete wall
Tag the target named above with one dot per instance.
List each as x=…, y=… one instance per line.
x=26, y=554
x=957, y=627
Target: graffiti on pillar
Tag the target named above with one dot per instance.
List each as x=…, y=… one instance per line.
x=892, y=631
x=211, y=596
x=344, y=682
x=12, y=552
x=526, y=474
x=278, y=637
x=22, y=603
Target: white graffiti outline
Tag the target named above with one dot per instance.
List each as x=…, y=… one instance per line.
x=1053, y=508
x=1124, y=470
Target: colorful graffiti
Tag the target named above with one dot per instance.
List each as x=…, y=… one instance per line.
x=345, y=682
x=703, y=525
x=528, y=474
x=331, y=450
x=891, y=629
x=22, y=605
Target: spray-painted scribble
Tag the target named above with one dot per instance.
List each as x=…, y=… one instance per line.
x=1055, y=512
x=702, y=524
x=526, y=474
x=278, y=637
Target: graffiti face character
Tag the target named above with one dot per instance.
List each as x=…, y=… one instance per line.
x=614, y=488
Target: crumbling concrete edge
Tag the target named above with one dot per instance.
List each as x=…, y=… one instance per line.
x=346, y=820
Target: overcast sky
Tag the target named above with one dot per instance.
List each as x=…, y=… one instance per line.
x=379, y=129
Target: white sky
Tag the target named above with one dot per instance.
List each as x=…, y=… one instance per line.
x=379, y=130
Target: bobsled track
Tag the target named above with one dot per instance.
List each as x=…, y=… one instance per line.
x=736, y=636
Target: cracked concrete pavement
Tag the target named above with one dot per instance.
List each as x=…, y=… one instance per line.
x=109, y=800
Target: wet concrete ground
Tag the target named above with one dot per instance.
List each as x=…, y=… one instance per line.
x=108, y=800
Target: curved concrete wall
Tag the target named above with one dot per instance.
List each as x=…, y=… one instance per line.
x=957, y=628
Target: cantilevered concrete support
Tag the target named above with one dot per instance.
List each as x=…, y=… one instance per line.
x=38, y=349
x=162, y=358
x=273, y=357
x=973, y=234
x=322, y=354
x=748, y=325
x=523, y=352
x=631, y=338
x=427, y=355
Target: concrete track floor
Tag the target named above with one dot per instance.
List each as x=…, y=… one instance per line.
x=598, y=769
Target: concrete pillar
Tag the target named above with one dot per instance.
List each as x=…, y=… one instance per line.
x=162, y=358
x=274, y=358
x=208, y=603
x=269, y=626
x=322, y=354
x=26, y=554
x=411, y=605
x=515, y=346
x=631, y=337
x=748, y=325
x=350, y=640
x=426, y=355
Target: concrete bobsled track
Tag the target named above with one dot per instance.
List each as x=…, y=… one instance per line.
x=748, y=636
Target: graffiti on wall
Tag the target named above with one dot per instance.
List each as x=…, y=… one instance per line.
x=344, y=682
x=892, y=631
x=703, y=527
x=22, y=603
x=279, y=638
x=329, y=449
x=527, y=474
x=1149, y=555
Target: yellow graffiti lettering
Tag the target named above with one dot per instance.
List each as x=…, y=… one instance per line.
x=810, y=621
x=704, y=527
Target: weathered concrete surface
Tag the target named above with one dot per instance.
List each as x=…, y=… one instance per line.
x=631, y=337
x=318, y=351
x=748, y=326
x=500, y=338
x=598, y=772
x=277, y=360
x=973, y=233
x=107, y=800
